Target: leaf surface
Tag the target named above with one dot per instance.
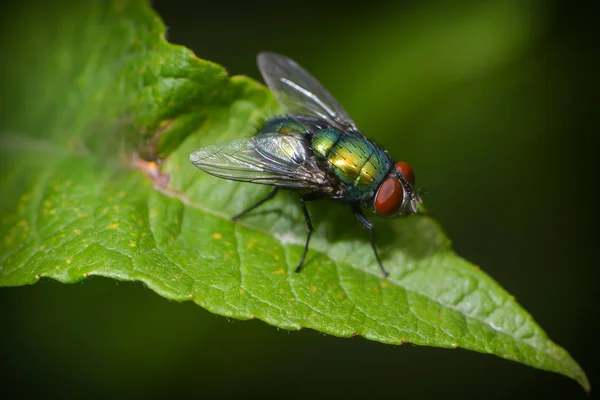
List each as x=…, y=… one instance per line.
x=83, y=196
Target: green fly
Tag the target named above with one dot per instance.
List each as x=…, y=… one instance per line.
x=317, y=148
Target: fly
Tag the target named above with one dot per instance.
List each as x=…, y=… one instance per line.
x=317, y=148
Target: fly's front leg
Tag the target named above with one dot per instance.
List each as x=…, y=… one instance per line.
x=246, y=211
x=360, y=217
x=307, y=197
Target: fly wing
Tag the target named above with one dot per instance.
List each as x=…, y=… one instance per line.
x=267, y=158
x=299, y=92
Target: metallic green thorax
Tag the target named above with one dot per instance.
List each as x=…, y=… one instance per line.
x=356, y=162
x=358, y=165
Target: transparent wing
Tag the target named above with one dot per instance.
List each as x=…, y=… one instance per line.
x=267, y=158
x=299, y=92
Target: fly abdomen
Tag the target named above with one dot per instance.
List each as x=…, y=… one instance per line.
x=283, y=125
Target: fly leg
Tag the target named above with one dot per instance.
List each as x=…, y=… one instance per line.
x=307, y=197
x=246, y=211
x=360, y=217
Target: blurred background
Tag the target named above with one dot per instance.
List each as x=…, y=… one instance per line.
x=494, y=104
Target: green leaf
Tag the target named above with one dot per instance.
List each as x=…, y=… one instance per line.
x=83, y=196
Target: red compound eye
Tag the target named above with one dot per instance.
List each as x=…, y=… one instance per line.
x=406, y=171
x=389, y=197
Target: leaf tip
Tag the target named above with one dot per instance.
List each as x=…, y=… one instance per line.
x=583, y=380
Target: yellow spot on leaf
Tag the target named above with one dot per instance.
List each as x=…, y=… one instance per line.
x=132, y=244
x=313, y=289
x=113, y=226
x=376, y=290
x=217, y=236
x=251, y=243
x=385, y=283
x=76, y=231
x=340, y=296
x=242, y=291
x=292, y=299
x=37, y=276
x=280, y=271
x=68, y=261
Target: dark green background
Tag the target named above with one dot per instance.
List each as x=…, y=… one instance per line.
x=508, y=154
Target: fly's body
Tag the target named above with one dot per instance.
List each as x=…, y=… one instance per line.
x=355, y=167
x=317, y=148
x=356, y=163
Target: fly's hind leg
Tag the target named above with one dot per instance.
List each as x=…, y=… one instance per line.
x=246, y=211
x=360, y=217
x=307, y=197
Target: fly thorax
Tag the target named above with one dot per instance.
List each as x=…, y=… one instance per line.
x=323, y=141
x=353, y=160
